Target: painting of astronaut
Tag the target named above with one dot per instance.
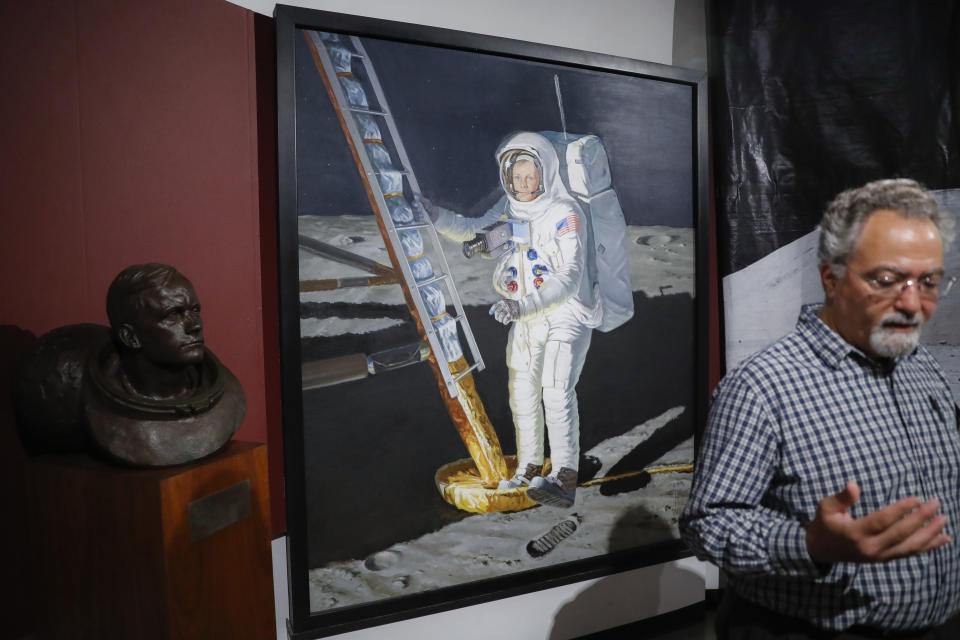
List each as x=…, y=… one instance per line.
x=506, y=244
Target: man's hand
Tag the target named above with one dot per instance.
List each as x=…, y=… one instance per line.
x=505, y=311
x=905, y=528
x=423, y=204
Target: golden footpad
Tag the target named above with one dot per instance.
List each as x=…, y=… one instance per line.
x=460, y=484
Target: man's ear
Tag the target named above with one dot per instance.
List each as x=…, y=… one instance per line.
x=128, y=337
x=829, y=280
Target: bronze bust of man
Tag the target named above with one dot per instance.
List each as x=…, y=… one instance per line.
x=153, y=395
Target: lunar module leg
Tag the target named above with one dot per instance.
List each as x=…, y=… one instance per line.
x=414, y=250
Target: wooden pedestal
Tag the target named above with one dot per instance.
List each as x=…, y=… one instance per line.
x=174, y=553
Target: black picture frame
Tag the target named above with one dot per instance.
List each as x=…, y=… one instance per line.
x=293, y=174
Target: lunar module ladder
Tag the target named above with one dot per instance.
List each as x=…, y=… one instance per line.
x=332, y=71
x=403, y=232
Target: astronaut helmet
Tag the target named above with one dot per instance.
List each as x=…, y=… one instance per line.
x=521, y=174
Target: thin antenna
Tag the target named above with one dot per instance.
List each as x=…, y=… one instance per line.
x=563, y=120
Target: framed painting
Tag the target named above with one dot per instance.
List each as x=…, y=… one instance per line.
x=493, y=314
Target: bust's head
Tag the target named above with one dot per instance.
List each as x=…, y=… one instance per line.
x=155, y=316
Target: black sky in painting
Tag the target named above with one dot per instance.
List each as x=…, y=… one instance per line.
x=453, y=108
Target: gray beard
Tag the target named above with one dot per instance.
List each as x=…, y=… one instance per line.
x=889, y=343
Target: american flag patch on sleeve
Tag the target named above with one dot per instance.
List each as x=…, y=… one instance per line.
x=568, y=224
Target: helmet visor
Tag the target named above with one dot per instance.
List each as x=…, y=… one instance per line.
x=521, y=175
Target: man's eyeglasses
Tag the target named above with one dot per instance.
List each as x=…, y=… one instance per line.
x=890, y=284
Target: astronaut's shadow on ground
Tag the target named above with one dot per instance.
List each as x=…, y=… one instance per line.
x=636, y=373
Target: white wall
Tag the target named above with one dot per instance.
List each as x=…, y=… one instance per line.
x=639, y=29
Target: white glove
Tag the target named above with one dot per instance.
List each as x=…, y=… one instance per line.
x=505, y=311
x=426, y=208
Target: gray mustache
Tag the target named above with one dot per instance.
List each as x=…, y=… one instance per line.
x=899, y=318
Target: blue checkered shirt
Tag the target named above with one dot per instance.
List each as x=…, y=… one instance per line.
x=790, y=427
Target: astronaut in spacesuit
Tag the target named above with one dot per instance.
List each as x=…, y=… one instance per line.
x=550, y=305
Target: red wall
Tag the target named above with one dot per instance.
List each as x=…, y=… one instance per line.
x=130, y=135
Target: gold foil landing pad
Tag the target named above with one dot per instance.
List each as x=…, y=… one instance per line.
x=460, y=485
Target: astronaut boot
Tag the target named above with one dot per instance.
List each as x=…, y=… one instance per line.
x=555, y=490
x=521, y=479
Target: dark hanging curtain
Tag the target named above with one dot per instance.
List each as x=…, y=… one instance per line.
x=810, y=98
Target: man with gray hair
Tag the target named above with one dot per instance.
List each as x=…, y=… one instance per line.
x=828, y=480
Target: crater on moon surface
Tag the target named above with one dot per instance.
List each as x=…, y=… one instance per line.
x=382, y=560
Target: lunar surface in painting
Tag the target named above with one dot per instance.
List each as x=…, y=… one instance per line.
x=491, y=545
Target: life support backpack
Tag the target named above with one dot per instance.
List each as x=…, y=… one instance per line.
x=585, y=171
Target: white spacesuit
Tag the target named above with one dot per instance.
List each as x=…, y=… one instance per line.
x=552, y=307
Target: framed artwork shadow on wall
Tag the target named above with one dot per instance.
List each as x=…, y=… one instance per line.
x=492, y=262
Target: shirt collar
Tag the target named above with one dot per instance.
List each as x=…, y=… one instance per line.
x=829, y=346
